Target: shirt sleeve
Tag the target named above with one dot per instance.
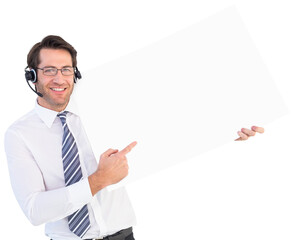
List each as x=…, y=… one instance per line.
x=40, y=206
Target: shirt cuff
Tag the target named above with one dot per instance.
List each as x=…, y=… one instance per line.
x=80, y=193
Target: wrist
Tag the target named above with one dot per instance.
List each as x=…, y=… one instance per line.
x=97, y=182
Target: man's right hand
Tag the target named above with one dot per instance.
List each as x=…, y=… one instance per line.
x=112, y=168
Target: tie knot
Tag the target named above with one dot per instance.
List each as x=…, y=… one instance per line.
x=62, y=117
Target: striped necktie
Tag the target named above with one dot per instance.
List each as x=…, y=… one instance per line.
x=79, y=222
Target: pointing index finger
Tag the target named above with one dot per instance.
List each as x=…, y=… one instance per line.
x=128, y=148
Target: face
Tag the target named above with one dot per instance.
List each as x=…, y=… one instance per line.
x=57, y=89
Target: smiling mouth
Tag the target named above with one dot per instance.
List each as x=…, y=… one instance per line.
x=58, y=89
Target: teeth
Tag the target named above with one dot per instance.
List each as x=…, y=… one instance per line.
x=58, y=89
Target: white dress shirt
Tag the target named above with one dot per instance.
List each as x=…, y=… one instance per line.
x=33, y=146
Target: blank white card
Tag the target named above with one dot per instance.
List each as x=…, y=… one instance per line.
x=179, y=97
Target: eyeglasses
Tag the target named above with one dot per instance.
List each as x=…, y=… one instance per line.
x=52, y=71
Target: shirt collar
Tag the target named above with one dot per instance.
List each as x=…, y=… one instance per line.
x=48, y=116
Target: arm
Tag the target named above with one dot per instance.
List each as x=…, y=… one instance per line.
x=40, y=206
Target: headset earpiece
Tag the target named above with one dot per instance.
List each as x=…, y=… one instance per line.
x=78, y=75
x=30, y=75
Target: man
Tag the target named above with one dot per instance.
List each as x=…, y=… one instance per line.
x=39, y=164
x=53, y=171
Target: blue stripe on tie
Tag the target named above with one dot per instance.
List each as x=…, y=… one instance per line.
x=79, y=222
x=67, y=149
x=72, y=218
x=68, y=161
x=83, y=226
x=71, y=169
x=72, y=151
x=75, y=179
x=75, y=218
x=69, y=156
x=86, y=227
x=70, y=180
x=67, y=142
x=65, y=131
x=64, y=140
x=67, y=168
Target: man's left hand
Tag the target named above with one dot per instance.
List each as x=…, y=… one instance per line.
x=245, y=133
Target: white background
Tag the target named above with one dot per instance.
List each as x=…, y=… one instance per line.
x=243, y=190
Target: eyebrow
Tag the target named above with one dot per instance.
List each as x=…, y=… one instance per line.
x=56, y=67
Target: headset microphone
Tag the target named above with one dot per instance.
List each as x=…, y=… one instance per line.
x=38, y=93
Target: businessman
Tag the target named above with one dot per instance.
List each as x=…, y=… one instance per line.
x=54, y=173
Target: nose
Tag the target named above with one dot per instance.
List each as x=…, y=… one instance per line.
x=58, y=78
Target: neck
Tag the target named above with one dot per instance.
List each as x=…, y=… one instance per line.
x=55, y=107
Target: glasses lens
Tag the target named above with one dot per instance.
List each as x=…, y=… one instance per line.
x=67, y=71
x=49, y=71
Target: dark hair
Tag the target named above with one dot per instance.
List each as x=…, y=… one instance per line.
x=50, y=42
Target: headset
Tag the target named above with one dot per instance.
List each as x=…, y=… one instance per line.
x=31, y=75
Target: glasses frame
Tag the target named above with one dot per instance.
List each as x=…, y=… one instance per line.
x=58, y=69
